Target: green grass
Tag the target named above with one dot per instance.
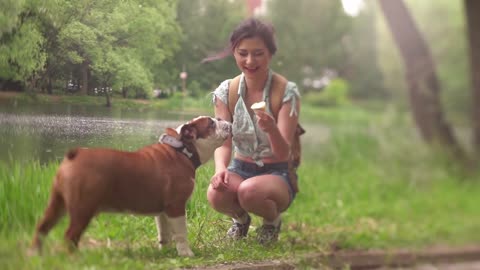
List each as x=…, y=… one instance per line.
x=370, y=184
x=175, y=102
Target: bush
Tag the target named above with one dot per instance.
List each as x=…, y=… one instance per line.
x=334, y=94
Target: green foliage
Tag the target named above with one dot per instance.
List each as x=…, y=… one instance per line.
x=128, y=41
x=120, y=43
x=131, y=74
x=22, y=40
x=19, y=197
x=22, y=56
x=308, y=33
x=436, y=20
x=135, y=46
x=197, y=19
x=78, y=42
x=451, y=58
x=9, y=11
x=362, y=67
x=360, y=188
x=198, y=104
x=334, y=94
x=195, y=89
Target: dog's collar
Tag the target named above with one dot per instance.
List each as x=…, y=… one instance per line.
x=172, y=141
x=180, y=147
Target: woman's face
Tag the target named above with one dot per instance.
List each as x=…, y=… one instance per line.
x=252, y=57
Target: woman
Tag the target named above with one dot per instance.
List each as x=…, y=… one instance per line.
x=257, y=180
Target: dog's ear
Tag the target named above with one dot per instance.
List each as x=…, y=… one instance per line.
x=172, y=132
x=188, y=133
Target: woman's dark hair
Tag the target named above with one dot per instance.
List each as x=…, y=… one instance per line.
x=248, y=28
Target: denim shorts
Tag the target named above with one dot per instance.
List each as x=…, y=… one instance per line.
x=247, y=170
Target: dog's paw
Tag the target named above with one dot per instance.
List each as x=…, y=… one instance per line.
x=185, y=252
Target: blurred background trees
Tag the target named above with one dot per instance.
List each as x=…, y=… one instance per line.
x=206, y=26
x=144, y=45
x=473, y=21
x=137, y=49
x=421, y=77
x=88, y=46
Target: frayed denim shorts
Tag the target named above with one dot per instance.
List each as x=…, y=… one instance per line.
x=247, y=170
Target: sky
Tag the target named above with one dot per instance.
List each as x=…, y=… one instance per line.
x=352, y=7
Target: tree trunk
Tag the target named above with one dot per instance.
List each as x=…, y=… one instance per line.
x=108, y=102
x=124, y=92
x=472, y=8
x=31, y=84
x=107, y=95
x=84, y=72
x=422, y=81
x=49, y=85
x=48, y=78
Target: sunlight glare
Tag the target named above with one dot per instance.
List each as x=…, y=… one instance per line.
x=352, y=7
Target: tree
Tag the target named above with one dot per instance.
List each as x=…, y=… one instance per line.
x=197, y=19
x=21, y=56
x=362, y=67
x=436, y=20
x=422, y=81
x=472, y=8
x=153, y=38
x=114, y=33
x=94, y=42
x=309, y=35
x=9, y=11
x=21, y=41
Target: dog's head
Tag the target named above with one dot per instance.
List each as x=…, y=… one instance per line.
x=205, y=133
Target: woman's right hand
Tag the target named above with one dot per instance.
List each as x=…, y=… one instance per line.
x=219, y=180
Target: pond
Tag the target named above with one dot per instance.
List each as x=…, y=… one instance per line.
x=46, y=132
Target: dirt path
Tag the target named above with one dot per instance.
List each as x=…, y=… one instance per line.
x=435, y=258
x=8, y=94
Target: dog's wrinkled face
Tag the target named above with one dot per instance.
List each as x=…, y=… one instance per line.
x=206, y=133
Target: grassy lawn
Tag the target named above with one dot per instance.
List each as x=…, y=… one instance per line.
x=368, y=183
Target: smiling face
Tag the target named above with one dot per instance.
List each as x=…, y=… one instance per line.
x=252, y=57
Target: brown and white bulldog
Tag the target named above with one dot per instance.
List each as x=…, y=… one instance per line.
x=155, y=180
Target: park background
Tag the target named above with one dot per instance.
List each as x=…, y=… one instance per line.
x=390, y=98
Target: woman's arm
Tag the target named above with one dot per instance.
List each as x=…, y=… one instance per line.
x=223, y=153
x=280, y=135
x=287, y=125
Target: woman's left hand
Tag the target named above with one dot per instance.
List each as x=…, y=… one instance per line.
x=265, y=121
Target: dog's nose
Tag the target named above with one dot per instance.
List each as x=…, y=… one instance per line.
x=228, y=127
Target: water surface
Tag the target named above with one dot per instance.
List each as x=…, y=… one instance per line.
x=46, y=132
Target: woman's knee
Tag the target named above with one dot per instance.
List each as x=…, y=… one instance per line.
x=213, y=197
x=251, y=195
x=248, y=194
x=219, y=200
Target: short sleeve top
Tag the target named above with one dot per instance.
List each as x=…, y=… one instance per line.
x=248, y=139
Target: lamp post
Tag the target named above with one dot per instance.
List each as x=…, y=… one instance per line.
x=183, y=77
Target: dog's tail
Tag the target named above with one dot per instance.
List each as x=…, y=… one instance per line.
x=55, y=210
x=71, y=154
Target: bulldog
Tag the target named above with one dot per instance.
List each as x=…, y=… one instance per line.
x=156, y=180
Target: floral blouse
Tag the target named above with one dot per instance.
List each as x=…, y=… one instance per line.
x=248, y=139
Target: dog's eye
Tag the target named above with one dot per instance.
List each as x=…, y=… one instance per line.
x=211, y=123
